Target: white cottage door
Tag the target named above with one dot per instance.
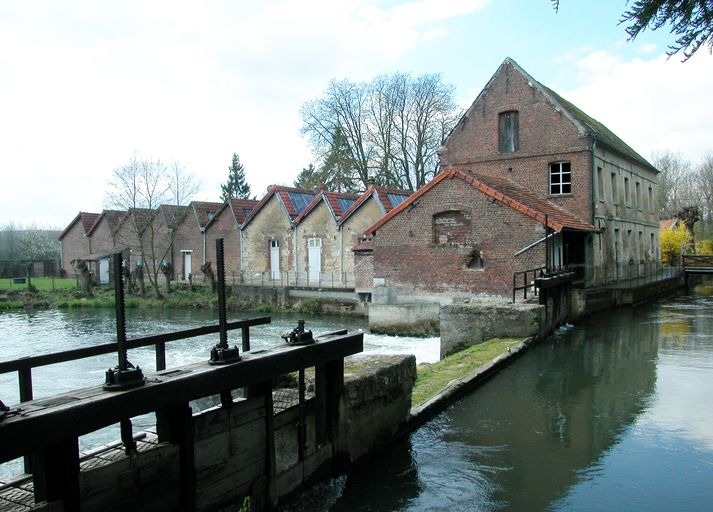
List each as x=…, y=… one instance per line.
x=187, y=264
x=274, y=259
x=103, y=271
x=315, y=259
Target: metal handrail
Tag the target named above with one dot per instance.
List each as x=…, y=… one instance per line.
x=25, y=363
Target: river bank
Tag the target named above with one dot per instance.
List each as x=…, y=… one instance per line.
x=181, y=296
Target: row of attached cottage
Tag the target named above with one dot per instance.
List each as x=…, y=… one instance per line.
x=526, y=179
x=290, y=236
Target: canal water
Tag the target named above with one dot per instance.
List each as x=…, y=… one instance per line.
x=615, y=413
x=46, y=331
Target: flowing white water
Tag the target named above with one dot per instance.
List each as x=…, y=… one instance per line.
x=41, y=332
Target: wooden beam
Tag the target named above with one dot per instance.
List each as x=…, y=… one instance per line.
x=48, y=421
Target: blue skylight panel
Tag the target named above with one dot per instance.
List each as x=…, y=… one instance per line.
x=345, y=203
x=396, y=199
x=300, y=200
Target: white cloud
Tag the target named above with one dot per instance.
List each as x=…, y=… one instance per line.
x=652, y=104
x=83, y=85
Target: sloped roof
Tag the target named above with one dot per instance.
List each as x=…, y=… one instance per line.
x=86, y=218
x=142, y=218
x=112, y=218
x=668, y=224
x=293, y=200
x=584, y=122
x=204, y=211
x=173, y=214
x=242, y=208
x=386, y=198
x=505, y=191
x=335, y=202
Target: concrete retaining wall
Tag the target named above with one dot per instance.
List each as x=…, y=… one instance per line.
x=464, y=325
x=405, y=319
x=375, y=402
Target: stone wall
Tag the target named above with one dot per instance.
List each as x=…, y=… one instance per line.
x=464, y=325
x=375, y=403
x=226, y=228
x=270, y=223
x=320, y=224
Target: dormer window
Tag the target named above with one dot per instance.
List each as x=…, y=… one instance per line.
x=508, y=127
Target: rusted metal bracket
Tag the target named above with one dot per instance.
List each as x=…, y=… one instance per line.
x=298, y=335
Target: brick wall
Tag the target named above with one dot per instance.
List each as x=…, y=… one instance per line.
x=545, y=135
x=364, y=271
x=74, y=245
x=101, y=240
x=188, y=238
x=405, y=254
x=226, y=228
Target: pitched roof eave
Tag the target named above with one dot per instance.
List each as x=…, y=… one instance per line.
x=566, y=222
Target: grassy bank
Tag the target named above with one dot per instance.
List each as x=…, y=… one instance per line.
x=66, y=295
x=431, y=378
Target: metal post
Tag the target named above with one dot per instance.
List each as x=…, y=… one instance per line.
x=125, y=375
x=222, y=353
x=246, y=338
x=547, y=245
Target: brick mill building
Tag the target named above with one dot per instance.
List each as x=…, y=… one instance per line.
x=523, y=151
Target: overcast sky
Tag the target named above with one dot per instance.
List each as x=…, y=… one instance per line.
x=85, y=84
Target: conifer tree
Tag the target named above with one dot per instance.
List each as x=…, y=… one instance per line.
x=236, y=186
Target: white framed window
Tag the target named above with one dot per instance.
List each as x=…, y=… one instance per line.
x=560, y=178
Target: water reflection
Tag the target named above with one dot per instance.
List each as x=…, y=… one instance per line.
x=614, y=414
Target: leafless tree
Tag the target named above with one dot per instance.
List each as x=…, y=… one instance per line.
x=675, y=180
x=392, y=127
x=183, y=184
x=141, y=187
x=704, y=185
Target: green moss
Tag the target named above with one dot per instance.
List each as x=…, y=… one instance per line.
x=431, y=378
x=10, y=304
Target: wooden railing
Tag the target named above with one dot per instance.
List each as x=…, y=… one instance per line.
x=698, y=261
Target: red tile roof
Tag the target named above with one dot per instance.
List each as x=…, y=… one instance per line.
x=173, y=215
x=241, y=208
x=86, y=218
x=505, y=191
x=112, y=218
x=205, y=211
x=283, y=195
x=668, y=223
x=142, y=218
x=380, y=194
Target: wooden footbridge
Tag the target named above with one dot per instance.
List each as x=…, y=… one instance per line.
x=697, y=264
x=214, y=460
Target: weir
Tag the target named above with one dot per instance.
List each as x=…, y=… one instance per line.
x=248, y=446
